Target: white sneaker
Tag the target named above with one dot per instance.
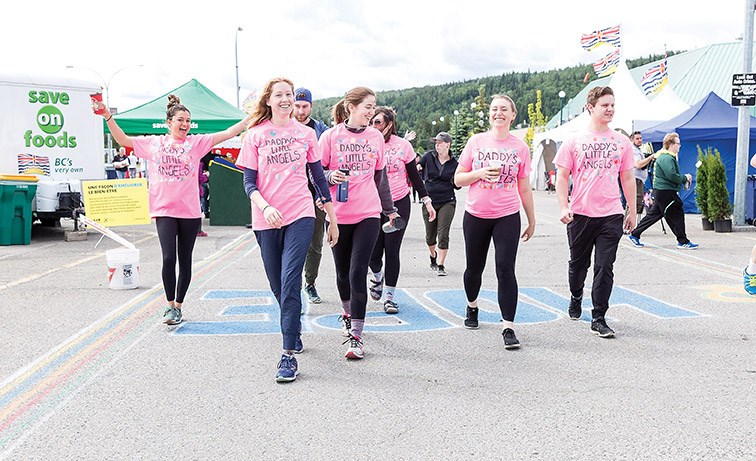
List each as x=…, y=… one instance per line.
x=355, y=350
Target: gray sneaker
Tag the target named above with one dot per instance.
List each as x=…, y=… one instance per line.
x=441, y=270
x=312, y=294
x=433, y=263
x=172, y=316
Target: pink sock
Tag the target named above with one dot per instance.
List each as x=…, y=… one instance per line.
x=357, y=326
x=345, y=308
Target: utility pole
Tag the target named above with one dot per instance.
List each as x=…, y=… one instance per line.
x=744, y=124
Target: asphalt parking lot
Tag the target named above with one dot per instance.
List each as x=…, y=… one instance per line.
x=87, y=372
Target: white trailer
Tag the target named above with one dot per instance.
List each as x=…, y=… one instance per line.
x=47, y=129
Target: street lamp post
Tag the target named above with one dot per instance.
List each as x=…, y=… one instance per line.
x=562, y=94
x=456, y=124
x=106, y=87
x=236, y=59
x=106, y=84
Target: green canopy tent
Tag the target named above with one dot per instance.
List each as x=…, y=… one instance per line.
x=210, y=113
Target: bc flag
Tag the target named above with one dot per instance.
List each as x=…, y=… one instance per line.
x=655, y=78
x=610, y=35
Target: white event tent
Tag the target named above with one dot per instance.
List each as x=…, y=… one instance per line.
x=665, y=106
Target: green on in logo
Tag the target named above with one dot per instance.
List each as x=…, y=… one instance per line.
x=50, y=119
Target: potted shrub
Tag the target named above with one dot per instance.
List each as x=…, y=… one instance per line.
x=718, y=199
x=702, y=183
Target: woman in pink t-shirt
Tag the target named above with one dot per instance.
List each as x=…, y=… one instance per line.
x=400, y=167
x=275, y=154
x=174, y=162
x=496, y=166
x=353, y=156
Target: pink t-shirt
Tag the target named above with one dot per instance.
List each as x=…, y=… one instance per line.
x=280, y=155
x=173, y=172
x=398, y=153
x=595, y=161
x=491, y=200
x=362, y=154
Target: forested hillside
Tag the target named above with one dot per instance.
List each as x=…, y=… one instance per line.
x=430, y=109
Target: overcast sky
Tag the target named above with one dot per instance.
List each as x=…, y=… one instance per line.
x=330, y=46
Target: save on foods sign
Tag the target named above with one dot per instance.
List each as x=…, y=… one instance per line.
x=48, y=128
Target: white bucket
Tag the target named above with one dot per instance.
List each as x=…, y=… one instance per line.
x=123, y=268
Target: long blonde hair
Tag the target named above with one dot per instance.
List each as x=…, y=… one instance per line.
x=354, y=96
x=262, y=110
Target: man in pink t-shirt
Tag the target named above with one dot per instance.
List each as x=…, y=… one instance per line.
x=595, y=158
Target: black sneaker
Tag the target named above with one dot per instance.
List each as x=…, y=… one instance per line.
x=441, y=270
x=599, y=327
x=433, y=264
x=576, y=308
x=510, y=340
x=471, y=321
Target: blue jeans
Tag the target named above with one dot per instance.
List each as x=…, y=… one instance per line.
x=283, y=252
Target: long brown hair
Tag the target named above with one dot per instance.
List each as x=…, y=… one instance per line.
x=354, y=96
x=174, y=105
x=262, y=110
x=390, y=116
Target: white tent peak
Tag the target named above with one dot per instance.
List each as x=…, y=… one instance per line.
x=666, y=105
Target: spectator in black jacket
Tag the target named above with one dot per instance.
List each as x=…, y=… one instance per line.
x=437, y=168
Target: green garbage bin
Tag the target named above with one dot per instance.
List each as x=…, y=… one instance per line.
x=16, y=195
x=229, y=204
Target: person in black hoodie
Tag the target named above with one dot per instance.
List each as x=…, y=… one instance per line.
x=437, y=168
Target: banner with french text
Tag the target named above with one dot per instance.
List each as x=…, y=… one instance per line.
x=119, y=202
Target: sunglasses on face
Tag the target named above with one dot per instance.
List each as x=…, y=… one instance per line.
x=376, y=121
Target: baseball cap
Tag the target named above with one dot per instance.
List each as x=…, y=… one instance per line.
x=443, y=136
x=303, y=94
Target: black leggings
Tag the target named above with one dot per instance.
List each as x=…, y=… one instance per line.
x=506, y=238
x=177, y=237
x=351, y=256
x=391, y=244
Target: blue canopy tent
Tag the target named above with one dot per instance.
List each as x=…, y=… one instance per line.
x=711, y=122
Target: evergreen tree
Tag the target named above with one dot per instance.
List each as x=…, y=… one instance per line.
x=718, y=200
x=702, y=181
x=460, y=130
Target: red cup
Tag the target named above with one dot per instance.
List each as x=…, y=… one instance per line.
x=97, y=106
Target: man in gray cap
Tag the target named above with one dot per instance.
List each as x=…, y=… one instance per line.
x=302, y=110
